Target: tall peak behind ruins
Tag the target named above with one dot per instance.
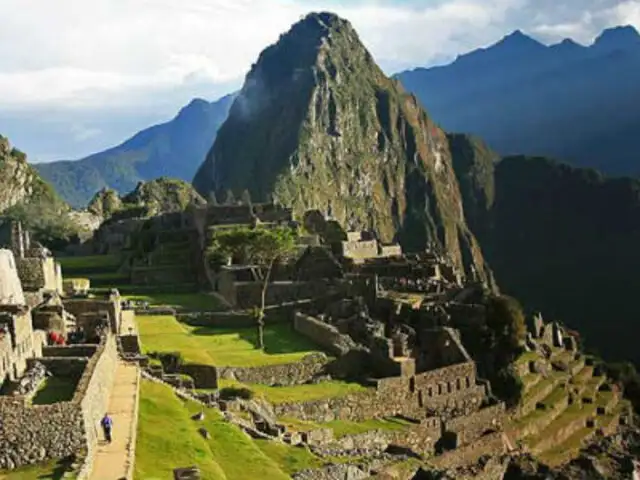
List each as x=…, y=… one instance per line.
x=318, y=125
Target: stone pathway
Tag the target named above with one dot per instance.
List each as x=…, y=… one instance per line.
x=114, y=461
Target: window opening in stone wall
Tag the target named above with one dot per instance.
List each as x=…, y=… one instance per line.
x=412, y=384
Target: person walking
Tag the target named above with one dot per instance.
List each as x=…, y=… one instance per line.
x=107, y=424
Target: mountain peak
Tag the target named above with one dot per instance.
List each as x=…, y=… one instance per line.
x=518, y=39
x=618, y=37
x=318, y=126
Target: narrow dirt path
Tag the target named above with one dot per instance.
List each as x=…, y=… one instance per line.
x=114, y=461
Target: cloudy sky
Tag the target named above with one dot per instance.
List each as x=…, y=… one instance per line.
x=78, y=76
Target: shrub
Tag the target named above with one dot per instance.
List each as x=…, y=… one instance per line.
x=231, y=393
x=171, y=361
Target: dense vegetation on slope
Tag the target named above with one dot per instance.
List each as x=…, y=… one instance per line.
x=565, y=101
x=173, y=149
x=318, y=125
x=562, y=240
x=161, y=195
x=25, y=196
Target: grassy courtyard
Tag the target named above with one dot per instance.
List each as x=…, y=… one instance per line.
x=221, y=347
x=54, y=390
x=49, y=471
x=298, y=393
x=228, y=454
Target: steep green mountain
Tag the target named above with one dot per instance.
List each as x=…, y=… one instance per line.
x=20, y=183
x=562, y=240
x=173, y=149
x=519, y=93
x=26, y=197
x=318, y=125
x=161, y=195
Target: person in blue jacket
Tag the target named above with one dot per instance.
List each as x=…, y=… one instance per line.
x=107, y=424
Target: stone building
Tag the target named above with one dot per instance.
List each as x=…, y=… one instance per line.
x=362, y=246
x=18, y=342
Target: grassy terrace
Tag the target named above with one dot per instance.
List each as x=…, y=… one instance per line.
x=567, y=449
x=228, y=454
x=299, y=393
x=49, y=471
x=55, y=389
x=222, y=347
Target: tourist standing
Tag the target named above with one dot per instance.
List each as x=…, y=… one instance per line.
x=107, y=423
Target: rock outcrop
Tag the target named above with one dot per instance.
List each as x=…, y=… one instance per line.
x=19, y=181
x=318, y=125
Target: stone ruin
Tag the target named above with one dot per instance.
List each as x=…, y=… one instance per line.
x=32, y=314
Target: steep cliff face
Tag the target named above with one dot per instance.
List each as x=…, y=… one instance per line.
x=19, y=182
x=562, y=240
x=318, y=125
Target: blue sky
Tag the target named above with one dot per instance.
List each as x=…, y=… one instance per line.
x=79, y=76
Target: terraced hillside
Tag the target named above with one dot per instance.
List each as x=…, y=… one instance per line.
x=566, y=402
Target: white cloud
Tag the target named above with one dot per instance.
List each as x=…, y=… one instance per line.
x=102, y=59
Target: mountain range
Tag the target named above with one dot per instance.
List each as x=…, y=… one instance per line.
x=317, y=125
x=173, y=149
x=565, y=101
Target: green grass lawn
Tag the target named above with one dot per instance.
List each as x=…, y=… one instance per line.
x=55, y=389
x=196, y=301
x=90, y=262
x=527, y=357
x=48, y=471
x=222, y=347
x=299, y=393
x=168, y=438
x=290, y=459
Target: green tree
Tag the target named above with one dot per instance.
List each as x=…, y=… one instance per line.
x=262, y=247
x=505, y=319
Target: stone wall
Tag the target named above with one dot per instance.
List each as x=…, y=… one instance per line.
x=248, y=294
x=204, y=376
x=6, y=356
x=69, y=351
x=72, y=367
x=469, y=427
x=283, y=374
x=37, y=273
x=94, y=389
x=10, y=287
x=78, y=307
x=421, y=438
x=33, y=434
x=23, y=345
x=360, y=249
x=490, y=445
x=323, y=334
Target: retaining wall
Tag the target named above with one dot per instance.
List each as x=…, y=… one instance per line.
x=32, y=434
x=323, y=334
x=282, y=374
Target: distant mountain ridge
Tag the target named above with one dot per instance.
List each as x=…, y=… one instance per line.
x=172, y=149
x=566, y=100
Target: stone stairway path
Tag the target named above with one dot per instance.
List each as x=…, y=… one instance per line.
x=115, y=461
